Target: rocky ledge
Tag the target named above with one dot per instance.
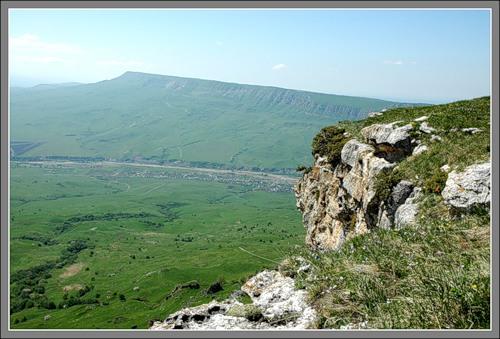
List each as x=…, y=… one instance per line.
x=276, y=304
x=342, y=200
x=339, y=200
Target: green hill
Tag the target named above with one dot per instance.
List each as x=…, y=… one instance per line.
x=139, y=116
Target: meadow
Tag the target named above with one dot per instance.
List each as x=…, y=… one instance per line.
x=114, y=247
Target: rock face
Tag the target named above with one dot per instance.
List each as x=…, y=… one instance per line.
x=469, y=188
x=392, y=143
x=406, y=213
x=276, y=304
x=338, y=202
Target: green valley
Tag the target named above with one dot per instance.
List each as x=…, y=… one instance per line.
x=120, y=239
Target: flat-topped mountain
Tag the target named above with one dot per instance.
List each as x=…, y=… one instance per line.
x=139, y=116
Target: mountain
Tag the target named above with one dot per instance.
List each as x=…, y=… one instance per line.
x=139, y=116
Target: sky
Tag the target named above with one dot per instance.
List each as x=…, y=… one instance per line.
x=431, y=56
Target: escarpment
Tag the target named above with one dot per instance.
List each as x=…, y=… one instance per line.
x=375, y=177
x=341, y=200
x=348, y=197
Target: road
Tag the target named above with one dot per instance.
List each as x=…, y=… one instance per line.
x=254, y=174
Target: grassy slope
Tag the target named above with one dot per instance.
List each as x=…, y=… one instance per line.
x=219, y=217
x=171, y=118
x=433, y=275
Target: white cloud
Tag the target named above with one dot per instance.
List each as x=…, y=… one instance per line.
x=399, y=62
x=32, y=43
x=40, y=59
x=393, y=62
x=114, y=62
x=279, y=67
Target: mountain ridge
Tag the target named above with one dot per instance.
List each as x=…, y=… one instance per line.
x=142, y=116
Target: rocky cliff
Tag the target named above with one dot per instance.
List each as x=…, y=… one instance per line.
x=342, y=200
x=390, y=176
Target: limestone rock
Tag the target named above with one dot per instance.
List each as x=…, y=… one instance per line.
x=276, y=304
x=391, y=142
x=277, y=297
x=469, y=188
x=387, y=134
x=354, y=150
x=445, y=168
x=421, y=148
x=422, y=118
x=375, y=114
x=406, y=214
x=424, y=127
x=436, y=138
x=471, y=130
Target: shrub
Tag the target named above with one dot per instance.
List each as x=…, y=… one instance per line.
x=384, y=183
x=329, y=142
x=435, y=182
x=303, y=169
x=216, y=286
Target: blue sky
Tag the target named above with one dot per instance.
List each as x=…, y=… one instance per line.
x=418, y=55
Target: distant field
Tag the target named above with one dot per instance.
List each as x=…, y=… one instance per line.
x=141, y=233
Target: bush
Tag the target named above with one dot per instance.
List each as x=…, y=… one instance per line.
x=303, y=169
x=329, y=142
x=384, y=183
x=216, y=286
x=436, y=182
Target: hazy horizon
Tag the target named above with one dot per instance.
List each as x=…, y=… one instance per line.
x=41, y=83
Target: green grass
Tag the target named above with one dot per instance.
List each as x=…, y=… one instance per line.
x=434, y=275
x=161, y=233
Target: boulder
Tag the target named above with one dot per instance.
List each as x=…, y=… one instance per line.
x=424, y=127
x=471, y=130
x=353, y=151
x=470, y=188
x=436, y=138
x=422, y=118
x=374, y=114
x=391, y=142
x=421, y=148
x=276, y=304
x=387, y=134
x=445, y=168
x=406, y=214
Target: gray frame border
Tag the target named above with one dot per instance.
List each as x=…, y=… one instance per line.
x=4, y=160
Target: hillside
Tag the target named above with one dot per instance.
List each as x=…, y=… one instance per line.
x=204, y=123
x=396, y=210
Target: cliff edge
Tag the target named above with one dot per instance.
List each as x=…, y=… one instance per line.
x=396, y=209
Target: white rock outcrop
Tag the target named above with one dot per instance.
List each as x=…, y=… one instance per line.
x=406, y=214
x=421, y=148
x=464, y=190
x=387, y=134
x=424, y=127
x=339, y=202
x=276, y=304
